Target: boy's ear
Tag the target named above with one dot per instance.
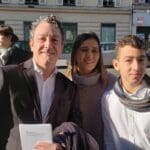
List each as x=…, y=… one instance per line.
x=115, y=64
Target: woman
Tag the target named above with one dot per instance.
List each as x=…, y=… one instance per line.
x=88, y=72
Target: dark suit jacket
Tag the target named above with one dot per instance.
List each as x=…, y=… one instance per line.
x=18, y=56
x=20, y=103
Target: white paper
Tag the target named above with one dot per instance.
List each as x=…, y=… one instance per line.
x=31, y=133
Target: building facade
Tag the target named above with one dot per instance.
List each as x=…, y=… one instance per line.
x=141, y=20
x=110, y=19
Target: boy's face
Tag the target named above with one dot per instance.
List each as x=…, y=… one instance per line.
x=131, y=64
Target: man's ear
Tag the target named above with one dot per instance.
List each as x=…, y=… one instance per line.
x=62, y=44
x=31, y=44
x=115, y=63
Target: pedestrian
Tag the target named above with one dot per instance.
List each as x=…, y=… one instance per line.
x=126, y=107
x=35, y=91
x=9, y=53
x=92, y=79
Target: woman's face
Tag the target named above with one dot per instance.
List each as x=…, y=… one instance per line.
x=87, y=56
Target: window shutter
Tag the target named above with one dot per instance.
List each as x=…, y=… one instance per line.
x=79, y=2
x=5, y=1
x=21, y=1
x=142, y=1
x=135, y=1
x=59, y=2
x=42, y=2
x=100, y=3
x=117, y=3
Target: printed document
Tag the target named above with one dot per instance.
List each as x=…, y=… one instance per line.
x=31, y=133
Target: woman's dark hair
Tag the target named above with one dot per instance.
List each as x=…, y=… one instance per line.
x=78, y=42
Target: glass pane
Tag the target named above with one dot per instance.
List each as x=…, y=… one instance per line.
x=108, y=33
x=35, y=2
x=69, y=2
x=27, y=27
x=70, y=33
x=2, y=22
x=108, y=36
x=108, y=3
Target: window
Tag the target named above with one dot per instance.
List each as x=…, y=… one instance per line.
x=27, y=27
x=70, y=33
x=108, y=36
x=2, y=22
x=34, y=2
x=108, y=3
x=135, y=1
x=147, y=1
x=69, y=2
x=25, y=44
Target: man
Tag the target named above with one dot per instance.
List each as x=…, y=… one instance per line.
x=9, y=53
x=126, y=108
x=34, y=91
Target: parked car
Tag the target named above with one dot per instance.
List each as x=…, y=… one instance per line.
x=24, y=45
x=108, y=56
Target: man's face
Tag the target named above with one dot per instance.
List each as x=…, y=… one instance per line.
x=46, y=45
x=131, y=64
x=5, y=41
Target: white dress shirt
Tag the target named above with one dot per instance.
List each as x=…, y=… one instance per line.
x=45, y=89
x=4, y=54
x=125, y=129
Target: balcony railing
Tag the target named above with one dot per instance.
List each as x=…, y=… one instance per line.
x=108, y=3
x=31, y=2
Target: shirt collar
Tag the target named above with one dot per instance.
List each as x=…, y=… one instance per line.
x=39, y=71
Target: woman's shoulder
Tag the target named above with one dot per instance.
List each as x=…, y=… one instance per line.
x=111, y=80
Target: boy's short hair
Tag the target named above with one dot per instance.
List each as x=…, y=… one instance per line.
x=131, y=40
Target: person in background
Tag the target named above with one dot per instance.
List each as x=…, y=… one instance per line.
x=126, y=107
x=9, y=53
x=88, y=72
x=34, y=91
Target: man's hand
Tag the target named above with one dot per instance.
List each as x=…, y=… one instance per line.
x=44, y=145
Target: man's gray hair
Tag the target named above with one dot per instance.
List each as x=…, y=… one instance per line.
x=51, y=19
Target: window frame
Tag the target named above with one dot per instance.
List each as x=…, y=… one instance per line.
x=68, y=43
x=31, y=2
x=108, y=44
x=69, y=2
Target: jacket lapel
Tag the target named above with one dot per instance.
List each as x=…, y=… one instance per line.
x=57, y=96
x=31, y=81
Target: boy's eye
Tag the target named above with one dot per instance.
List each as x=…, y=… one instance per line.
x=141, y=59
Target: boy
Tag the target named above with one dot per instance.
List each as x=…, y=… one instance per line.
x=126, y=108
